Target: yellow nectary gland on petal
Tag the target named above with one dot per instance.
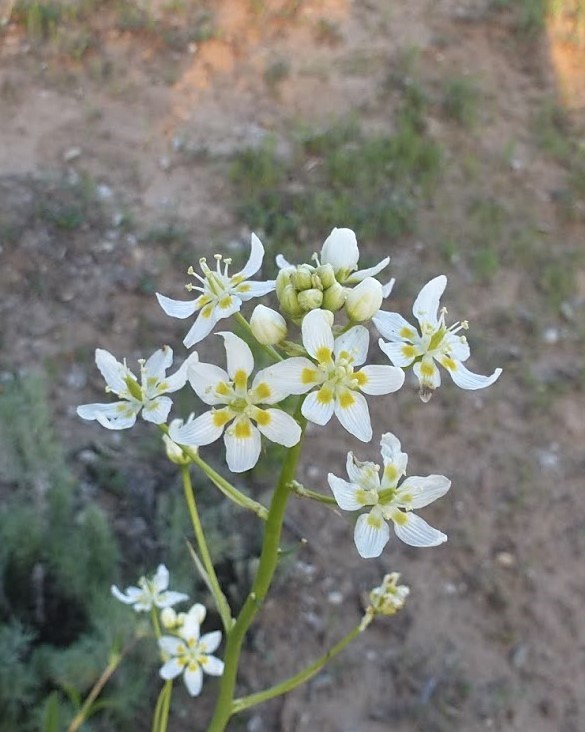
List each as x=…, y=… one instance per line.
x=262, y=392
x=346, y=400
x=240, y=379
x=427, y=369
x=325, y=395
x=262, y=417
x=243, y=429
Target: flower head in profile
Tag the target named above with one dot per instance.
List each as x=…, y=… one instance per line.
x=236, y=408
x=389, y=501
x=189, y=652
x=338, y=385
x=221, y=295
x=389, y=597
x=434, y=342
x=135, y=396
x=151, y=592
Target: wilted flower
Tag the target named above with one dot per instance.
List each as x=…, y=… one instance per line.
x=189, y=653
x=389, y=501
x=135, y=396
x=268, y=326
x=435, y=342
x=389, y=597
x=221, y=294
x=150, y=592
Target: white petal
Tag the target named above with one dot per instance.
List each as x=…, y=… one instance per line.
x=340, y=250
x=170, y=598
x=355, y=342
x=426, y=305
x=247, y=290
x=132, y=594
x=371, y=534
x=113, y=371
x=281, y=427
x=388, y=287
x=458, y=346
x=191, y=626
x=345, y=493
x=197, y=612
x=427, y=373
x=318, y=410
x=381, y=379
x=468, y=380
x=178, y=380
x=171, y=645
x=292, y=376
x=392, y=449
x=317, y=334
x=209, y=642
x=202, y=327
x=362, y=274
x=157, y=410
x=212, y=666
x=256, y=256
x=161, y=578
x=171, y=669
x=363, y=473
x=204, y=378
x=239, y=355
x=159, y=362
x=228, y=306
x=177, y=308
x=354, y=415
x=203, y=430
x=401, y=354
x=242, y=441
x=123, y=419
x=394, y=327
x=193, y=680
x=414, y=531
x=281, y=262
x=111, y=410
x=417, y=492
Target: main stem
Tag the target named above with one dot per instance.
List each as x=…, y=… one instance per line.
x=266, y=569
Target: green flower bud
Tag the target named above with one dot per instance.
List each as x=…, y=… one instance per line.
x=268, y=326
x=326, y=275
x=302, y=278
x=289, y=302
x=310, y=299
x=334, y=297
x=364, y=301
x=282, y=280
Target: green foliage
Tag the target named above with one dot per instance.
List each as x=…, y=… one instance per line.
x=340, y=177
x=460, y=99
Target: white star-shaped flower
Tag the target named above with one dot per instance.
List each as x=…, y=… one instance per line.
x=189, y=653
x=150, y=593
x=389, y=501
x=221, y=294
x=240, y=408
x=435, y=342
x=135, y=396
x=340, y=387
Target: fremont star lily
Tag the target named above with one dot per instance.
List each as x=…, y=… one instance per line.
x=340, y=386
x=435, y=342
x=221, y=295
x=150, y=592
x=389, y=501
x=145, y=396
x=189, y=653
x=216, y=387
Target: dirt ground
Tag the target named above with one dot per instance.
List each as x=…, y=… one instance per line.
x=493, y=635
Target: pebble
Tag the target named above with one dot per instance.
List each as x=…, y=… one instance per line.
x=519, y=655
x=104, y=192
x=335, y=597
x=506, y=559
x=72, y=154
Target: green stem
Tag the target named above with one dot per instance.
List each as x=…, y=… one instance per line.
x=307, y=673
x=155, y=622
x=266, y=568
x=220, y=599
x=160, y=718
x=97, y=688
x=272, y=352
x=300, y=490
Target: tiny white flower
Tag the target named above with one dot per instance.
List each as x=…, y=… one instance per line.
x=364, y=300
x=435, y=342
x=189, y=653
x=135, y=396
x=150, y=593
x=221, y=294
x=389, y=501
x=174, y=452
x=389, y=597
x=340, y=387
x=240, y=408
x=268, y=326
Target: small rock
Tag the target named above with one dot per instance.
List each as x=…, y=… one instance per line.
x=335, y=597
x=72, y=154
x=567, y=311
x=88, y=457
x=551, y=336
x=164, y=163
x=506, y=559
x=104, y=192
x=519, y=655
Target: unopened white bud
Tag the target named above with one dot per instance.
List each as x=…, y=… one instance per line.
x=174, y=452
x=334, y=297
x=310, y=299
x=340, y=250
x=302, y=278
x=168, y=618
x=364, y=301
x=268, y=326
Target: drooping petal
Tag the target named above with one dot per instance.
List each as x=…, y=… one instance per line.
x=171, y=669
x=414, y=531
x=292, y=376
x=362, y=274
x=426, y=305
x=209, y=642
x=193, y=678
x=171, y=645
x=388, y=287
x=354, y=343
x=159, y=362
x=255, y=260
x=351, y=409
x=239, y=356
x=170, y=598
x=363, y=473
x=122, y=419
x=110, y=410
x=318, y=407
x=157, y=410
x=317, y=334
x=371, y=534
x=345, y=493
x=114, y=373
x=278, y=426
x=401, y=354
x=247, y=290
x=212, y=665
x=161, y=578
x=242, y=441
x=177, y=308
x=203, y=325
x=468, y=380
x=417, y=492
x=340, y=250
x=203, y=430
x=281, y=262
x=205, y=378
x=394, y=327
x=380, y=379
x=131, y=596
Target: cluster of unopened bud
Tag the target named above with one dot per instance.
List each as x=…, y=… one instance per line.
x=305, y=288
x=389, y=597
